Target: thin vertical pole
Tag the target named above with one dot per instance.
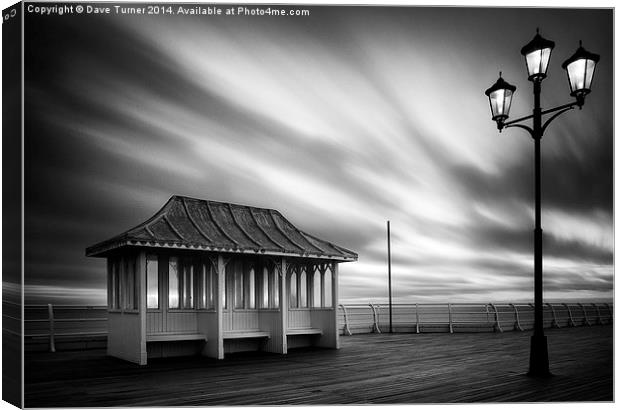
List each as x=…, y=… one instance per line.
x=50, y=315
x=539, y=357
x=389, y=273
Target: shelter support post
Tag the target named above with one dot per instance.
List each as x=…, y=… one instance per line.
x=335, y=303
x=283, y=304
x=141, y=272
x=221, y=288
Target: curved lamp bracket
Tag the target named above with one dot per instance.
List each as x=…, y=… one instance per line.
x=557, y=110
x=554, y=116
x=525, y=127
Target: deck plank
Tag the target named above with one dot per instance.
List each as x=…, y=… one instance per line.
x=373, y=368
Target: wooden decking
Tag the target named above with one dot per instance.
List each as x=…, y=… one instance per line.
x=398, y=368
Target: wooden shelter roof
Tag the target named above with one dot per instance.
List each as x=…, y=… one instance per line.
x=197, y=224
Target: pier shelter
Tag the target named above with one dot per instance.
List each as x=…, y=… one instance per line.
x=206, y=277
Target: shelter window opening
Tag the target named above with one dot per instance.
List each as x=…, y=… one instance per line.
x=241, y=280
x=239, y=288
x=123, y=284
x=316, y=287
x=130, y=286
x=206, y=285
x=269, y=287
x=227, y=278
x=327, y=288
x=173, y=283
x=152, y=282
x=114, y=285
x=275, y=286
x=303, y=288
x=187, y=279
x=292, y=296
x=320, y=283
x=251, y=287
x=180, y=283
x=310, y=286
x=264, y=288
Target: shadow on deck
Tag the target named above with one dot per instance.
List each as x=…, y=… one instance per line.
x=397, y=368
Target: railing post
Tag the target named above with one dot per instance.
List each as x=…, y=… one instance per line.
x=450, y=317
x=375, y=324
x=598, y=314
x=496, y=326
x=554, y=322
x=532, y=306
x=345, y=329
x=585, y=316
x=571, y=322
x=517, y=324
x=417, y=319
x=50, y=315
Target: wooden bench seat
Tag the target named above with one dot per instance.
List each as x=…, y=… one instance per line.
x=173, y=337
x=304, y=331
x=246, y=334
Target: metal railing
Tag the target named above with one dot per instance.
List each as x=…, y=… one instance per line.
x=77, y=326
x=467, y=317
x=86, y=326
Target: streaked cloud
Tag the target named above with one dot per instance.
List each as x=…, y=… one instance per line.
x=341, y=121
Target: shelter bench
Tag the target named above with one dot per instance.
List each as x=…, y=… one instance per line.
x=304, y=331
x=174, y=337
x=246, y=334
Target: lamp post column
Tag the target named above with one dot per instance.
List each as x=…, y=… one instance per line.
x=580, y=69
x=539, y=357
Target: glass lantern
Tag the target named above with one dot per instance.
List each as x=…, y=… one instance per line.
x=580, y=69
x=537, y=54
x=500, y=98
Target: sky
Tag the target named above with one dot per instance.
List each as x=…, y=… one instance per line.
x=341, y=120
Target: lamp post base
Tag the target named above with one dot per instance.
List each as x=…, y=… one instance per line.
x=539, y=357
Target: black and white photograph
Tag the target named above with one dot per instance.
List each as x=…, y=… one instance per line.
x=301, y=204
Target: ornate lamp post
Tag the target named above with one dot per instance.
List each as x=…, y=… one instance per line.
x=580, y=69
